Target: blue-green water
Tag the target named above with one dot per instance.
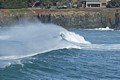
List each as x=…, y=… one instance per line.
x=98, y=61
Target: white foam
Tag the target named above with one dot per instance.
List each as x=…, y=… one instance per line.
x=106, y=29
x=72, y=37
x=29, y=39
x=101, y=47
x=102, y=29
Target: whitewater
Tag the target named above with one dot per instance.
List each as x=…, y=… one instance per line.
x=29, y=39
x=73, y=54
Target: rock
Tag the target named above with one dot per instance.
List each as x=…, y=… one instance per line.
x=85, y=19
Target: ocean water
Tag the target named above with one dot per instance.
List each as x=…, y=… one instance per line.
x=48, y=52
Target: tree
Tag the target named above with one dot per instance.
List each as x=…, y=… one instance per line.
x=114, y=3
x=11, y=4
x=1, y=5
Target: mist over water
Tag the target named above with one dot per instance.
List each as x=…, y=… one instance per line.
x=66, y=54
x=29, y=39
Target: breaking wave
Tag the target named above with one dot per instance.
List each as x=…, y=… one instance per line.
x=29, y=39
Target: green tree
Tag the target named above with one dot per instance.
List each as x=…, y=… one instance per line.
x=114, y=3
x=12, y=4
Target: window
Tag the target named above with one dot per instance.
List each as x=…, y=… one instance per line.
x=93, y=5
x=103, y=4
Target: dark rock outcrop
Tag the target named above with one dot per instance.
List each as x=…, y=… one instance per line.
x=86, y=19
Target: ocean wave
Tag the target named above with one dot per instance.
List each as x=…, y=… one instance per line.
x=102, y=29
x=101, y=47
x=29, y=39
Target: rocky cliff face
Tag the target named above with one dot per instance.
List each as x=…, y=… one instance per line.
x=86, y=19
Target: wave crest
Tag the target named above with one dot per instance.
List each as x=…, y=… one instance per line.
x=29, y=39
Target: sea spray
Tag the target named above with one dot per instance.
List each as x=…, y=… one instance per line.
x=96, y=61
x=73, y=37
x=29, y=39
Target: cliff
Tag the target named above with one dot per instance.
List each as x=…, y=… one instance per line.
x=68, y=18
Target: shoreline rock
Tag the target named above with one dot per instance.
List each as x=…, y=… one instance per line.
x=68, y=18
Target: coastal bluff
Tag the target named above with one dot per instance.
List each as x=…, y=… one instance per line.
x=68, y=18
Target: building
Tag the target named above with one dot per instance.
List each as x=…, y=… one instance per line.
x=93, y=3
x=96, y=3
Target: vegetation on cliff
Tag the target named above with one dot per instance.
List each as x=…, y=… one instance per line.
x=12, y=4
x=114, y=3
x=43, y=3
